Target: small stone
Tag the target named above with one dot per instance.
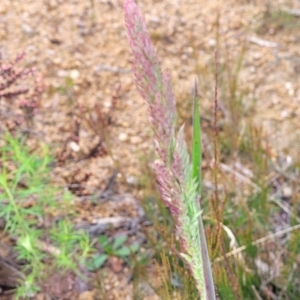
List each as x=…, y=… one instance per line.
x=289, y=160
x=252, y=69
x=123, y=137
x=287, y=191
x=184, y=57
x=74, y=146
x=107, y=104
x=42, y=296
x=189, y=50
x=124, y=124
x=212, y=42
x=27, y=29
x=62, y=73
x=57, y=60
x=74, y=74
x=289, y=86
x=284, y=114
x=116, y=263
x=132, y=180
x=135, y=140
x=87, y=295
x=257, y=55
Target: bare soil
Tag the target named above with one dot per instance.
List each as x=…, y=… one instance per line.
x=92, y=115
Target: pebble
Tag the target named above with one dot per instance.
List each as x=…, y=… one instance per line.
x=289, y=87
x=189, y=50
x=27, y=29
x=252, y=69
x=212, y=42
x=123, y=137
x=107, y=104
x=74, y=74
x=135, y=140
x=57, y=60
x=284, y=114
x=74, y=146
x=132, y=180
x=87, y=295
x=62, y=73
x=257, y=55
x=287, y=191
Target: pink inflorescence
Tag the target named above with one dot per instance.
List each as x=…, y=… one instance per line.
x=176, y=182
x=156, y=88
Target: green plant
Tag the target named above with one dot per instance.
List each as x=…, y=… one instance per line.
x=179, y=179
x=240, y=206
x=28, y=202
x=116, y=247
x=275, y=20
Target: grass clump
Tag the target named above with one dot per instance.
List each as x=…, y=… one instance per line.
x=240, y=205
x=33, y=210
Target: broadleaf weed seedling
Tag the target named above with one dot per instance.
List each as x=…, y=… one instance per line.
x=115, y=247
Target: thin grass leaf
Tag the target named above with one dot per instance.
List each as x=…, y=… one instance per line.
x=196, y=161
x=197, y=147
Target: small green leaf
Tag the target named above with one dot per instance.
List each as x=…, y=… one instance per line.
x=134, y=247
x=96, y=262
x=103, y=240
x=122, y=252
x=99, y=260
x=119, y=241
x=25, y=242
x=107, y=248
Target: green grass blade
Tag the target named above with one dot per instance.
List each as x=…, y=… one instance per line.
x=197, y=147
x=196, y=160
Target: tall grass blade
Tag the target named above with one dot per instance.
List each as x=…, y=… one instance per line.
x=196, y=161
x=197, y=146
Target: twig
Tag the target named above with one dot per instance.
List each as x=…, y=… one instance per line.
x=269, y=294
x=261, y=42
x=6, y=264
x=258, y=189
x=106, y=223
x=256, y=293
x=102, y=68
x=240, y=176
x=285, y=208
x=46, y=247
x=259, y=241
